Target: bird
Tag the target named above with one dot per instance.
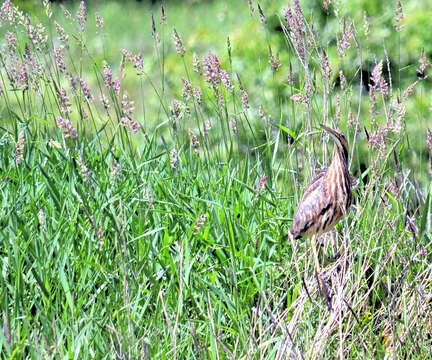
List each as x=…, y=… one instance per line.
x=328, y=197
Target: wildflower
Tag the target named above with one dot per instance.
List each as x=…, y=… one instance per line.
x=260, y=186
x=233, y=125
x=175, y=108
x=99, y=22
x=261, y=13
x=245, y=100
x=200, y=222
x=68, y=128
x=59, y=60
x=126, y=54
x=326, y=4
x=116, y=86
x=107, y=72
x=36, y=34
x=378, y=79
x=84, y=171
x=65, y=105
x=226, y=81
x=262, y=182
x=196, y=65
x=86, y=90
x=4, y=12
x=308, y=93
x=128, y=107
x=11, y=41
x=274, y=61
x=197, y=93
x=399, y=18
x=295, y=19
x=34, y=69
x=187, y=89
x=344, y=42
x=180, y=49
x=173, y=158
x=82, y=17
x=163, y=16
x=19, y=148
x=73, y=81
x=194, y=142
x=127, y=122
x=138, y=63
x=211, y=68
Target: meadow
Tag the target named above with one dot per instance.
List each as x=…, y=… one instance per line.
x=152, y=158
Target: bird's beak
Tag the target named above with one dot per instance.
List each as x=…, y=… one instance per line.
x=333, y=134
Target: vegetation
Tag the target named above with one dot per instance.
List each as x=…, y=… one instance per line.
x=150, y=167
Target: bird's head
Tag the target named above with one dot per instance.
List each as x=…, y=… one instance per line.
x=339, y=139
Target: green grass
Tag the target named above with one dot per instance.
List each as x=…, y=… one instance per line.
x=107, y=251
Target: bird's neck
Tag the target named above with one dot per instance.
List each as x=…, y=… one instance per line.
x=339, y=161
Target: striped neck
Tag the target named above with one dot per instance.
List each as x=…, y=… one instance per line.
x=340, y=160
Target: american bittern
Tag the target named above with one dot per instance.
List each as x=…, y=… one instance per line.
x=327, y=198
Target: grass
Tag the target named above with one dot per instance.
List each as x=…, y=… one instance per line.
x=112, y=247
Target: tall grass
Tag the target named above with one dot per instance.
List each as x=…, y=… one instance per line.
x=145, y=215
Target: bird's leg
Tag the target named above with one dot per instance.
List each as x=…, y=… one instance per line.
x=315, y=255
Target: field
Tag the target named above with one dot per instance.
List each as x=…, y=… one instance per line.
x=152, y=158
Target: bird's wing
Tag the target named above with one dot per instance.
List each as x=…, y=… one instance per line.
x=316, y=182
x=312, y=205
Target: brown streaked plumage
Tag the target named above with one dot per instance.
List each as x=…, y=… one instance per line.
x=327, y=198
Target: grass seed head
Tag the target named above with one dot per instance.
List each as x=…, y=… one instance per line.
x=19, y=148
x=67, y=127
x=82, y=17
x=99, y=22
x=429, y=139
x=180, y=49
